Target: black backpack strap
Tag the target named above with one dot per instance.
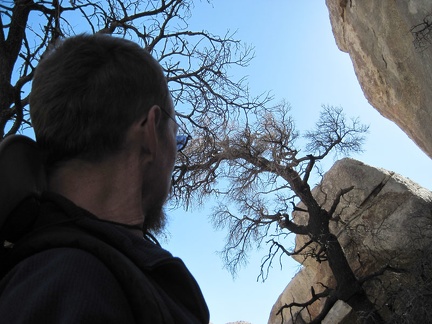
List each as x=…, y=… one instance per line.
x=22, y=173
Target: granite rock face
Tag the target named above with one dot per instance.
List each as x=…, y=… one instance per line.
x=390, y=45
x=385, y=219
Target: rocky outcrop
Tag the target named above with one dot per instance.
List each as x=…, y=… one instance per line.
x=390, y=45
x=385, y=219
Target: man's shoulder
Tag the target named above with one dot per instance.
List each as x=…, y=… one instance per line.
x=64, y=285
x=62, y=262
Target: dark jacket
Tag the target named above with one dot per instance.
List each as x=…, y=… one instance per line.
x=74, y=268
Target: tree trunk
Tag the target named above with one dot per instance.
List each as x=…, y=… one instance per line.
x=348, y=288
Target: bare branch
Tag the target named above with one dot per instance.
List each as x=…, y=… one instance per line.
x=422, y=33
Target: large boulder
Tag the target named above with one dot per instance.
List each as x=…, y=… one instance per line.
x=385, y=219
x=390, y=45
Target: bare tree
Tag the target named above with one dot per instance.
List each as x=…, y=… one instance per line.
x=195, y=62
x=259, y=174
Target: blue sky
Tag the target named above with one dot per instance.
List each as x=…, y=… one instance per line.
x=298, y=60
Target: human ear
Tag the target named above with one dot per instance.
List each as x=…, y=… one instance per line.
x=149, y=126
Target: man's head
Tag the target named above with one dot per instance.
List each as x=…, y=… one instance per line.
x=88, y=93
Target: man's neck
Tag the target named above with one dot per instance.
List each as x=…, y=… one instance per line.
x=110, y=191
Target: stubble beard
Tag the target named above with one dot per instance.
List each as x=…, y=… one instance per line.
x=155, y=218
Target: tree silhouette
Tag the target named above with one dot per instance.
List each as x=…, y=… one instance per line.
x=259, y=174
x=195, y=62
